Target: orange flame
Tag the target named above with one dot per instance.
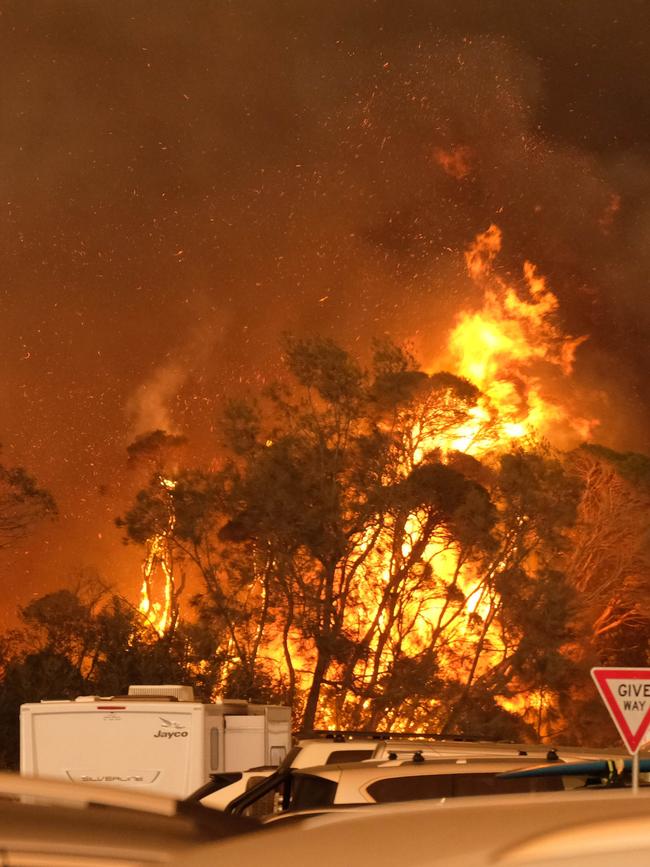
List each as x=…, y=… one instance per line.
x=507, y=348
x=158, y=614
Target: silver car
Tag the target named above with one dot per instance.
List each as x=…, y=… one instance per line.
x=52, y=823
x=388, y=781
x=569, y=829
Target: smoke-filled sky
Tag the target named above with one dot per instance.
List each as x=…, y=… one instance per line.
x=183, y=181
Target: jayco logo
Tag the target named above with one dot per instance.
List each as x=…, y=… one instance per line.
x=170, y=729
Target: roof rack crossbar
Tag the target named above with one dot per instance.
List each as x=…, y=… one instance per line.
x=377, y=735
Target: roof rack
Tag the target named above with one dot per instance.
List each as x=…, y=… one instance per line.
x=347, y=734
x=340, y=735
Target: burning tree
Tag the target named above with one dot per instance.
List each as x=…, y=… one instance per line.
x=402, y=564
x=387, y=546
x=156, y=451
x=350, y=560
x=337, y=495
x=235, y=601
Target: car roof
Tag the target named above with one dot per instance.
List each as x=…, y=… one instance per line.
x=506, y=830
x=406, y=765
x=113, y=832
x=452, y=744
x=385, y=742
x=32, y=796
x=317, y=751
x=49, y=789
x=487, y=748
x=343, y=743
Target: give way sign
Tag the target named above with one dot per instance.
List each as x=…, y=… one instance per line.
x=626, y=692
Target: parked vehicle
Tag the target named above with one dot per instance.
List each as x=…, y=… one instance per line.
x=157, y=738
x=569, y=829
x=61, y=824
x=372, y=782
x=223, y=788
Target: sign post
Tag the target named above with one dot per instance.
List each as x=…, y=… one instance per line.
x=626, y=693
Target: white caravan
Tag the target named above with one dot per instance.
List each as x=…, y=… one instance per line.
x=158, y=739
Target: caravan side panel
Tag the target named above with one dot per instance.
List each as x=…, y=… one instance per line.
x=158, y=747
x=244, y=742
x=278, y=738
x=278, y=734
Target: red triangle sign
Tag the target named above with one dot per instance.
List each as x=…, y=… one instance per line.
x=626, y=692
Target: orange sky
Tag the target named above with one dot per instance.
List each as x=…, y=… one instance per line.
x=180, y=185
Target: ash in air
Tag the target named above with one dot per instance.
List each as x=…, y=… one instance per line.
x=183, y=185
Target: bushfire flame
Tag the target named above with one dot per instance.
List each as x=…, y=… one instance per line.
x=506, y=348
x=156, y=604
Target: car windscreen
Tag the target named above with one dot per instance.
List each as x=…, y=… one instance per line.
x=412, y=788
x=309, y=792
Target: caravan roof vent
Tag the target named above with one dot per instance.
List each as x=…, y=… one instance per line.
x=173, y=690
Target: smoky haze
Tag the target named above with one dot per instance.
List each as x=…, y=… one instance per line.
x=181, y=182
